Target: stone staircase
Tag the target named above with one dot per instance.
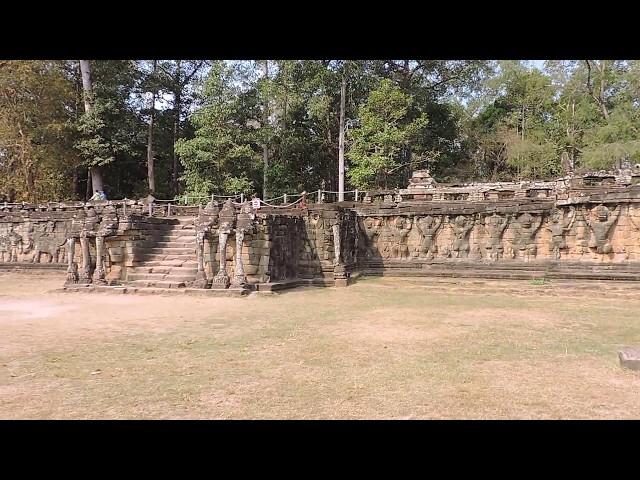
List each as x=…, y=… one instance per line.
x=168, y=259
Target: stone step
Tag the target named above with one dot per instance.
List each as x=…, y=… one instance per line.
x=188, y=263
x=169, y=250
x=159, y=257
x=173, y=244
x=502, y=274
x=173, y=238
x=171, y=228
x=168, y=277
x=164, y=269
x=157, y=283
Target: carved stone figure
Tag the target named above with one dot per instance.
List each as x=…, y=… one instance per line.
x=205, y=227
x=227, y=222
x=600, y=228
x=558, y=228
x=72, y=269
x=107, y=227
x=494, y=226
x=372, y=226
x=336, y=243
x=462, y=226
x=11, y=245
x=400, y=229
x=526, y=228
x=244, y=225
x=428, y=227
x=90, y=223
x=47, y=242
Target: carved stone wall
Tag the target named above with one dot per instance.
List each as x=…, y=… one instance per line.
x=574, y=227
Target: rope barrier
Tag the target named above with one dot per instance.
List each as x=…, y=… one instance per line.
x=281, y=206
x=184, y=200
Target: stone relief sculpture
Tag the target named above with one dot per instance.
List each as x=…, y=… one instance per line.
x=462, y=226
x=46, y=241
x=527, y=227
x=372, y=227
x=11, y=245
x=205, y=227
x=244, y=224
x=558, y=227
x=227, y=223
x=399, y=231
x=336, y=243
x=317, y=225
x=428, y=227
x=89, y=224
x=494, y=226
x=107, y=227
x=600, y=227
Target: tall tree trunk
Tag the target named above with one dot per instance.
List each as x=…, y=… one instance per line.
x=85, y=70
x=150, y=160
x=177, y=106
x=343, y=94
x=603, y=105
x=88, y=190
x=265, y=147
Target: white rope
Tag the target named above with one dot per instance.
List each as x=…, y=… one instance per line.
x=281, y=206
x=275, y=198
x=346, y=191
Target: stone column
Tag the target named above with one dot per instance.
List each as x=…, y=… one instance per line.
x=72, y=269
x=85, y=275
x=239, y=279
x=201, y=277
x=336, y=243
x=339, y=270
x=221, y=280
x=99, y=274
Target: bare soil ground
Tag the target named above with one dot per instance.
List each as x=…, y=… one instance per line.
x=382, y=348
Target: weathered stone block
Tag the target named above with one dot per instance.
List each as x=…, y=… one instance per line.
x=630, y=358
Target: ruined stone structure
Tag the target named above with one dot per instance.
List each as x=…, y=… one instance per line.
x=575, y=227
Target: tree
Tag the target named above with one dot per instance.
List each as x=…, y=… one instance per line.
x=87, y=87
x=152, y=113
x=222, y=156
x=36, y=131
x=113, y=135
x=177, y=80
x=377, y=144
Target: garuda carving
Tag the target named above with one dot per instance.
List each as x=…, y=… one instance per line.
x=399, y=231
x=558, y=226
x=372, y=231
x=428, y=227
x=462, y=226
x=525, y=235
x=494, y=226
x=601, y=227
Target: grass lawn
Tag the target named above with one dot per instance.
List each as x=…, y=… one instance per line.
x=381, y=348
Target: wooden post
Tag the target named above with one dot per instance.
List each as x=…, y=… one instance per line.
x=319, y=199
x=168, y=209
x=356, y=195
x=242, y=198
x=285, y=198
x=150, y=209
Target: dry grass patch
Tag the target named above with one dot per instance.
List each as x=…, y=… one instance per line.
x=461, y=349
